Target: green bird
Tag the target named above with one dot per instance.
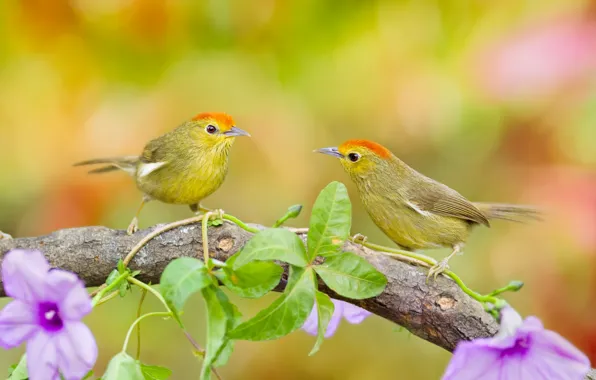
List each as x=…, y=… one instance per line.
x=415, y=211
x=182, y=166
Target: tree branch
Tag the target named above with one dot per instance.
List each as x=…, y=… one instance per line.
x=438, y=312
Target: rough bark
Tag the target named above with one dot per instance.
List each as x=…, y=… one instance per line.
x=438, y=312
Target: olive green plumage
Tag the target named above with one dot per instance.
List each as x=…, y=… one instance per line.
x=183, y=166
x=415, y=211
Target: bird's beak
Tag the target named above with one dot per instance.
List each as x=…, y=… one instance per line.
x=330, y=151
x=235, y=131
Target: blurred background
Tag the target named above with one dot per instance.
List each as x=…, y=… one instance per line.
x=495, y=99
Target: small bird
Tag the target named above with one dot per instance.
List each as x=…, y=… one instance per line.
x=415, y=211
x=182, y=166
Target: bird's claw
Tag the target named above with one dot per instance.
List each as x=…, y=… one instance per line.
x=359, y=238
x=133, y=226
x=218, y=212
x=437, y=269
x=4, y=236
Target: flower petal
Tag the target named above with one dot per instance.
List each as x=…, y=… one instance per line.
x=18, y=322
x=472, y=361
x=312, y=322
x=23, y=274
x=311, y=325
x=519, y=367
x=510, y=322
x=69, y=293
x=557, y=356
x=77, y=350
x=532, y=324
x=354, y=314
x=42, y=358
x=338, y=312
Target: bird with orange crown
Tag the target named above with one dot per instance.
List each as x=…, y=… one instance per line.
x=415, y=211
x=182, y=166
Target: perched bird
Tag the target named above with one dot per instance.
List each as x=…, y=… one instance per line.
x=182, y=166
x=415, y=211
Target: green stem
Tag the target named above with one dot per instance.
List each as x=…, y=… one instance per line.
x=293, y=212
x=157, y=232
x=168, y=313
x=513, y=286
x=139, y=319
x=430, y=261
x=107, y=298
x=149, y=288
x=279, y=222
x=143, y=294
x=204, y=225
x=425, y=259
x=240, y=223
x=477, y=296
x=110, y=287
x=219, y=264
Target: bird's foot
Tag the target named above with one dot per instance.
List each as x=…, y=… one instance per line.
x=437, y=269
x=219, y=213
x=203, y=210
x=359, y=238
x=133, y=226
x=215, y=215
x=4, y=236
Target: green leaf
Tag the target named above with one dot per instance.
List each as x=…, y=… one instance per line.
x=123, y=367
x=20, y=370
x=234, y=318
x=330, y=221
x=135, y=273
x=351, y=276
x=232, y=259
x=214, y=222
x=120, y=266
x=124, y=286
x=112, y=276
x=88, y=375
x=273, y=244
x=154, y=372
x=295, y=273
x=284, y=315
x=220, y=318
x=181, y=278
x=325, y=310
x=252, y=280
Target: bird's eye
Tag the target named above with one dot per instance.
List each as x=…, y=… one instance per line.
x=353, y=157
x=211, y=129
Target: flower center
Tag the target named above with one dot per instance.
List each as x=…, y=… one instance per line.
x=523, y=343
x=49, y=316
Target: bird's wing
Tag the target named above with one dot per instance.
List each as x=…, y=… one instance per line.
x=152, y=158
x=154, y=152
x=436, y=198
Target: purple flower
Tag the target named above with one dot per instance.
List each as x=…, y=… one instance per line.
x=521, y=350
x=46, y=312
x=352, y=314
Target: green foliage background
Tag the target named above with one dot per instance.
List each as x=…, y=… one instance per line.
x=86, y=78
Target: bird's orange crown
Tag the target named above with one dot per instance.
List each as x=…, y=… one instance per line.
x=224, y=120
x=378, y=149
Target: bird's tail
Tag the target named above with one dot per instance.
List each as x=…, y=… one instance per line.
x=513, y=213
x=125, y=163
